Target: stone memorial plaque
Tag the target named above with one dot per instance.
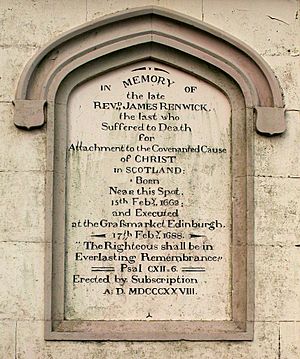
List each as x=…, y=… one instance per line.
x=149, y=201
x=148, y=228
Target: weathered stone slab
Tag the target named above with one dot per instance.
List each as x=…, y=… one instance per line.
x=265, y=27
x=26, y=32
x=7, y=339
x=277, y=283
x=277, y=210
x=290, y=343
x=22, y=206
x=21, y=268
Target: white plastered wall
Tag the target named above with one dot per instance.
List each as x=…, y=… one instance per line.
x=272, y=27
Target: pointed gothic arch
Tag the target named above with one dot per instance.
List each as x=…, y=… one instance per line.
x=150, y=26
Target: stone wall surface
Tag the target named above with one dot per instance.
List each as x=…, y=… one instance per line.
x=272, y=28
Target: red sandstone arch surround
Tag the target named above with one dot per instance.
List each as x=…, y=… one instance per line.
x=148, y=25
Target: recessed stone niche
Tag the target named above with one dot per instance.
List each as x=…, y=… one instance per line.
x=150, y=177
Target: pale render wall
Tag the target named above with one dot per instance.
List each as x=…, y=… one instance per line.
x=272, y=27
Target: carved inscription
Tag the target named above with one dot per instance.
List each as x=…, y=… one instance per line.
x=148, y=197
